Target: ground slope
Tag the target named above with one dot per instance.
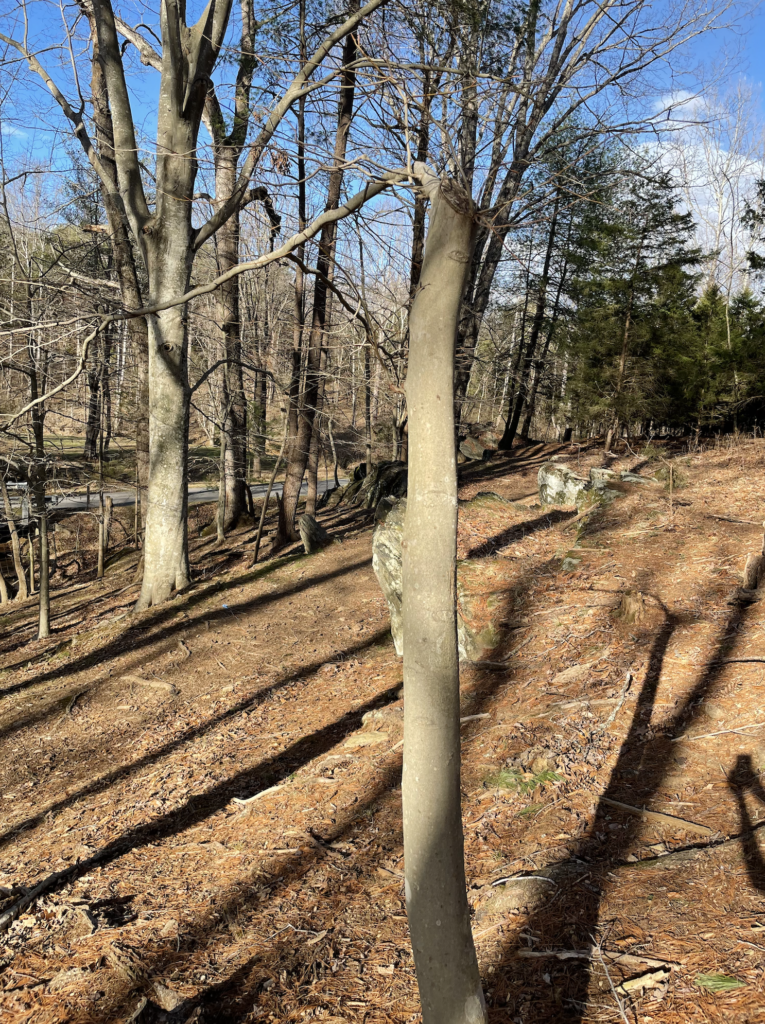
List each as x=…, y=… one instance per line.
x=127, y=740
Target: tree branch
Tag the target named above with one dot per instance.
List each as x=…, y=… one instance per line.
x=265, y=135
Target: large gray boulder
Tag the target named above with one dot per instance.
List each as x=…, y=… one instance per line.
x=559, y=485
x=474, y=449
x=387, y=542
x=601, y=478
x=474, y=635
x=387, y=479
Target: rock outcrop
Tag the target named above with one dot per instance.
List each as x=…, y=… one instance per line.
x=386, y=479
x=476, y=606
x=387, y=550
x=313, y=535
x=559, y=485
x=474, y=449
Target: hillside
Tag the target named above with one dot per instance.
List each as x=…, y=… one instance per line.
x=128, y=740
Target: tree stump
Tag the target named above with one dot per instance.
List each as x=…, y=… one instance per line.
x=637, y=608
x=754, y=569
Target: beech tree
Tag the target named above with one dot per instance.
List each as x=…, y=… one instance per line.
x=436, y=897
x=165, y=237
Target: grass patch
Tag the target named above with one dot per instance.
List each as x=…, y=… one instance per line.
x=520, y=782
x=719, y=982
x=531, y=809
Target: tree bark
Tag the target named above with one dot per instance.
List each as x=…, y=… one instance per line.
x=18, y=563
x=124, y=264
x=297, y=456
x=436, y=898
x=514, y=417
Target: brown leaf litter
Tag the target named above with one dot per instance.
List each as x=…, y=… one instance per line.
x=128, y=742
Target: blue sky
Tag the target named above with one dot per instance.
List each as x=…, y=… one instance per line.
x=28, y=129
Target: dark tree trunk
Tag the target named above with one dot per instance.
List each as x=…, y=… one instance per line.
x=298, y=455
x=514, y=417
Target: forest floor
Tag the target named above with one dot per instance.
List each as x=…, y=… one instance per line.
x=126, y=739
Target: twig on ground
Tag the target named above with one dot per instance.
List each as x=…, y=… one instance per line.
x=737, y=661
x=733, y=519
x=622, y=698
x=720, y=732
x=524, y=878
x=627, y=959
x=257, y=796
x=670, y=819
x=622, y=1014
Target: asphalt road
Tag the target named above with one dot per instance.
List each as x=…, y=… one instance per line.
x=78, y=503
x=197, y=496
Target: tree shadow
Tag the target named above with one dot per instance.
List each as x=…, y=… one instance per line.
x=137, y=637
x=519, y=531
x=232, y=999
x=246, y=783
x=570, y=919
x=178, y=741
x=744, y=779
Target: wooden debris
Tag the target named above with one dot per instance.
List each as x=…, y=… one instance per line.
x=627, y=959
x=154, y=684
x=257, y=796
x=669, y=819
x=720, y=732
x=655, y=979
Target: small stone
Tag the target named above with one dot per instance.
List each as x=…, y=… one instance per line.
x=714, y=712
x=167, y=999
x=366, y=739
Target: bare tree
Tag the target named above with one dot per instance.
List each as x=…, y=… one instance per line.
x=436, y=898
x=165, y=236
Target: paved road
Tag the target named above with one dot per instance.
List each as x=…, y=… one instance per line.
x=197, y=496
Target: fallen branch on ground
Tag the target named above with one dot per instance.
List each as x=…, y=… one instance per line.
x=263, y=792
x=669, y=819
x=155, y=684
x=738, y=661
x=628, y=959
x=733, y=519
x=720, y=732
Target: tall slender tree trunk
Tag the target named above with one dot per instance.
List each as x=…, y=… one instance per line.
x=166, y=559
x=539, y=370
x=436, y=898
x=228, y=320
x=18, y=562
x=299, y=451
x=93, y=413
x=285, y=530
x=613, y=429
x=514, y=417
x=125, y=266
x=36, y=370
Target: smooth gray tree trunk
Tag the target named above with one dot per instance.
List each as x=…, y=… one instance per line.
x=436, y=898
